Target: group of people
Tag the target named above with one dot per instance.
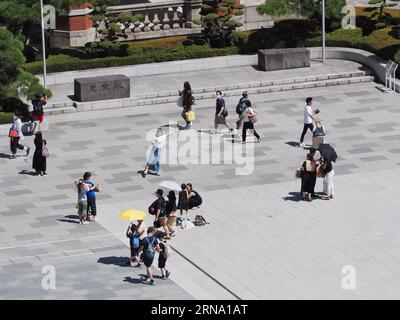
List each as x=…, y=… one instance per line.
x=310, y=170
x=86, y=205
x=313, y=168
x=245, y=110
x=145, y=242
x=39, y=161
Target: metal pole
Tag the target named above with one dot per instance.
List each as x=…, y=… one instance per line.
x=323, y=30
x=43, y=43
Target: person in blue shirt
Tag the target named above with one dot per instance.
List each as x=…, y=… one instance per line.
x=91, y=197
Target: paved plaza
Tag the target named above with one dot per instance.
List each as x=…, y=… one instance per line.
x=262, y=241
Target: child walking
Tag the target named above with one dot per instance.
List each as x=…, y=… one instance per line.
x=163, y=256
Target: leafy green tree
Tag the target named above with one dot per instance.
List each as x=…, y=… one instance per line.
x=307, y=8
x=14, y=81
x=382, y=16
x=217, y=21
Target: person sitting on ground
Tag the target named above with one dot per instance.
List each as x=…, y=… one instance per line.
x=194, y=198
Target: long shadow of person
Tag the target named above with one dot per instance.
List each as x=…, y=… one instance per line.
x=118, y=261
x=135, y=280
x=294, y=196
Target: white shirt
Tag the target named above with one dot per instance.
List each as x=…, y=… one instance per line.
x=307, y=111
x=17, y=126
x=250, y=111
x=159, y=142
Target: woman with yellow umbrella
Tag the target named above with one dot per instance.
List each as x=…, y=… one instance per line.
x=135, y=232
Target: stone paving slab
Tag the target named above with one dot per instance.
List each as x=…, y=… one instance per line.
x=307, y=244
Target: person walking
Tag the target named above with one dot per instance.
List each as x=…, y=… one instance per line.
x=163, y=255
x=16, y=135
x=91, y=197
x=221, y=112
x=308, y=120
x=183, y=201
x=38, y=114
x=161, y=214
x=249, y=117
x=170, y=208
x=240, y=108
x=194, y=198
x=147, y=250
x=154, y=151
x=39, y=161
x=186, y=102
x=329, y=174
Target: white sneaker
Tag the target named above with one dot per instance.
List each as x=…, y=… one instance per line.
x=302, y=145
x=85, y=222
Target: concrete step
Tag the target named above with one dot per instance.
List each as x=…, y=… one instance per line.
x=261, y=89
x=209, y=92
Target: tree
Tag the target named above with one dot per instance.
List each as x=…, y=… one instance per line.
x=306, y=8
x=217, y=21
x=382, y=17
x=14, y=81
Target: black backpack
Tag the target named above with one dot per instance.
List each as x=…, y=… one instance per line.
x=241, y=106
x=37, y=106
x=200, y=221
x=152, y=209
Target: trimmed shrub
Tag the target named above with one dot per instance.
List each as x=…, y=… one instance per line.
x=14, y=104
x=60, y=63
x=6, y=117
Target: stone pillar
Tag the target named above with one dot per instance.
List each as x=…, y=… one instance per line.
x=191, y=11
x=73, y=27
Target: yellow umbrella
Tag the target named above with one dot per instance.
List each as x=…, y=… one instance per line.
x=132, y=214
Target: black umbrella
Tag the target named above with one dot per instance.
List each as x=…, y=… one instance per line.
x=328, y=152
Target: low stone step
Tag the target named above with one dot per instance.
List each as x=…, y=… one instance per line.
x=209, y=93
x=264, y=89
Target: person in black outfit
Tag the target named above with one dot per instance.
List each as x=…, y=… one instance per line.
x=194, y=198
x=170, y=208
x=39, y=161
x=161, y=214
x=163, y=256
x=309, y=177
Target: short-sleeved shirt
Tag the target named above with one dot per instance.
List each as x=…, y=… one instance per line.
x=219, y=105
x=250, y=111
x=307, y=111
x=149, y=240
x=170, y=206
x=159, y=142
x=90, y=194
x=160, y=205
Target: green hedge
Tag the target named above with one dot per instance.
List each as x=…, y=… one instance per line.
x=6, y=117
x=59, y=63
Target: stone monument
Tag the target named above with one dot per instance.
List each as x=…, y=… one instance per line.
x=102, y=88
x=279, y=59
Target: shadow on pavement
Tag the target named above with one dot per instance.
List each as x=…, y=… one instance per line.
x=27, y=172
x=4, y=156
x=294, y=196
x=134, y=280
x=70, y=219
x=118, y=261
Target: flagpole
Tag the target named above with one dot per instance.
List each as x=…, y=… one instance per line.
x=43, y=43
x=323, y=30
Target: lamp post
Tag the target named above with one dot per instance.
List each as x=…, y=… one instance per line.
x=323, y=31
x=43, y=43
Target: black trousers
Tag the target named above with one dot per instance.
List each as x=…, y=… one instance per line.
x=91, y=209
x=14, y=145
x=305, y=128
x=248, y=125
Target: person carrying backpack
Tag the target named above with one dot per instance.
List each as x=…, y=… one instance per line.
x=221, y=112
x=37, y=103
x=240, y=108
x=147, y=250
x=134, y=243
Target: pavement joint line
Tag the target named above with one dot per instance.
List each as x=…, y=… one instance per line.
x=206, y=273
x=55, y=253
x=58, y=241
